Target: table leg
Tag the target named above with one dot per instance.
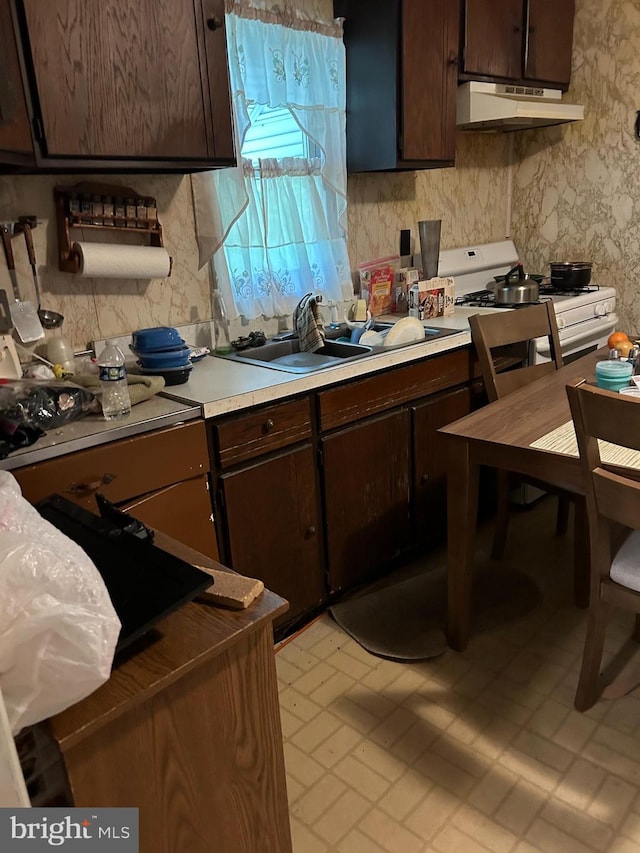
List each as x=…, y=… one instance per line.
x=462, y=512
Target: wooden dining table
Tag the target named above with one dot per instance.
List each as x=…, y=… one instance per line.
x=500, y=435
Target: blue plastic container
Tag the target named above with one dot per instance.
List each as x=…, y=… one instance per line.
x=613, y=374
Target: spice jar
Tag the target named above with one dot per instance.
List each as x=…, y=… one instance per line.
x=107, y=208
x=130, y=212
x=119, y=211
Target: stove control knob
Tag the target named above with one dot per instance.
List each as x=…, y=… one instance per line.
x=560, y=322
x=601, y=309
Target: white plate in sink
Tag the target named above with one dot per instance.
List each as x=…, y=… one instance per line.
x=371, y=338
x=405, y=331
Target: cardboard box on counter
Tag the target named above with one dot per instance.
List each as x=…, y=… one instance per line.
x=433, y=297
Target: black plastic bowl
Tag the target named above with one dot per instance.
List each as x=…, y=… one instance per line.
x=171, y=375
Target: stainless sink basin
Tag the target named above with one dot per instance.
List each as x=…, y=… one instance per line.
x=286, y=355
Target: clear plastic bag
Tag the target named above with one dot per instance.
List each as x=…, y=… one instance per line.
x=58, y=628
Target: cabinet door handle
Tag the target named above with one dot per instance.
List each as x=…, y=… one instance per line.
x=311, y=530
x=424, y=479
x=215, y=23
x=268, y=425
x=82, y=489
x=453, y=60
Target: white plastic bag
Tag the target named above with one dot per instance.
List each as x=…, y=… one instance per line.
x=58, y=628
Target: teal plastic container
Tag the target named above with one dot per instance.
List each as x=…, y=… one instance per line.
x=613, y=375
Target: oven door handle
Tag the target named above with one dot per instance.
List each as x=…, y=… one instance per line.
x=596, y=329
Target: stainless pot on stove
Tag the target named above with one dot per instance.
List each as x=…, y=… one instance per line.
x=516, y=287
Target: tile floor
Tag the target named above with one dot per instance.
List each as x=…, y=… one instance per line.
x=468, y=752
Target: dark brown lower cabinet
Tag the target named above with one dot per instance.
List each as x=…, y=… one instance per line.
x=182, y=511
x=366, y=496
x=430, y=461
x=273, y=527
x=160, y=477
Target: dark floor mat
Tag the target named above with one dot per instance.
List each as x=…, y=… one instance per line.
x=406, y=620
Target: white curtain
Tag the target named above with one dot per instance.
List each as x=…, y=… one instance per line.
x=278, y=231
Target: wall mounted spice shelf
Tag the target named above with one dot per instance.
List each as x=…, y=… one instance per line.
x=98, y=220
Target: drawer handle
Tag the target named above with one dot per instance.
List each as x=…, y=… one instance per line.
x=214, y=23
x=82, y=489
x=268, y=425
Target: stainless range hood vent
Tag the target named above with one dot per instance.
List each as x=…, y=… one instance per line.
x=502, y=107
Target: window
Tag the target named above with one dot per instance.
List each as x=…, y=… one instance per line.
x=275, y=133
x=276, y=225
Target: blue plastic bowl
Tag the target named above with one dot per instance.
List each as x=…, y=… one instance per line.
x=157, y=339
x=167, y=358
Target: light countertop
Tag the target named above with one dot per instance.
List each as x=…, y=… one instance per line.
x=92, y=430
x=221, y=386
x=218, y=386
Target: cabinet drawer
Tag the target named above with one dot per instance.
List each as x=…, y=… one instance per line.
x=270, y=428
x=349, y=403
x=121, y=470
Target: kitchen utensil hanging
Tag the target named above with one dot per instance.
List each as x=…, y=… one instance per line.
x=23, y=314
x=49, y=319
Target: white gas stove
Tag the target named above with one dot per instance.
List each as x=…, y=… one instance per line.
x=585, y=317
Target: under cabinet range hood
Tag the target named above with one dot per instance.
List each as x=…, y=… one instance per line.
x=504, y=106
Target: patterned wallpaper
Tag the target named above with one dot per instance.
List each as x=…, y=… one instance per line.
x=576, y=196
x=577, y=188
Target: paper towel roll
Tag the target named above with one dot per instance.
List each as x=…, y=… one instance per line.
x=107, y=260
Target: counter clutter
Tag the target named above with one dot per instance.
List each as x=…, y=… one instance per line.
x=250, y=427
x=218, y=387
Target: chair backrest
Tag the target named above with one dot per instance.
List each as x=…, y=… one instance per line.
x=612, y=492
x=491, y=331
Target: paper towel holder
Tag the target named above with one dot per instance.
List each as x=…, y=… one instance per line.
x=67, y=219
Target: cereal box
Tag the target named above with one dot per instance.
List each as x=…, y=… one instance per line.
x=377, y=284
x=433, y=297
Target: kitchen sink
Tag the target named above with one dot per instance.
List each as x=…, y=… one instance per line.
x=287, y=356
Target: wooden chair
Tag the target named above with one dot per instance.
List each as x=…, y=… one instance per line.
x=613, y=512
x=510, y=334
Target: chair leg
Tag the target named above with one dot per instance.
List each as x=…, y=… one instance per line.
x=589, y=687
x=502, y=516
x=581, y=555
x=562, y=518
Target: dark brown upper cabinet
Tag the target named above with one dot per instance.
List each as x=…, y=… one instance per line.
x=122, y=86
x=15, y=131
x=402, y=76
x=519, y=41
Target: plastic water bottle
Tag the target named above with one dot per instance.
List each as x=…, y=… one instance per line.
x=113, y=383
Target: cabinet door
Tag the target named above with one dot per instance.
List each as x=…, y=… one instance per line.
x=15, y=132
x=272, y=527
x=402, y=65
x=549, y=41
x=118, y=79
x=429, y=79
x=214, y=69
x=366, y=497
x=493, y=38
x=182, y=511
x=430, y=462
